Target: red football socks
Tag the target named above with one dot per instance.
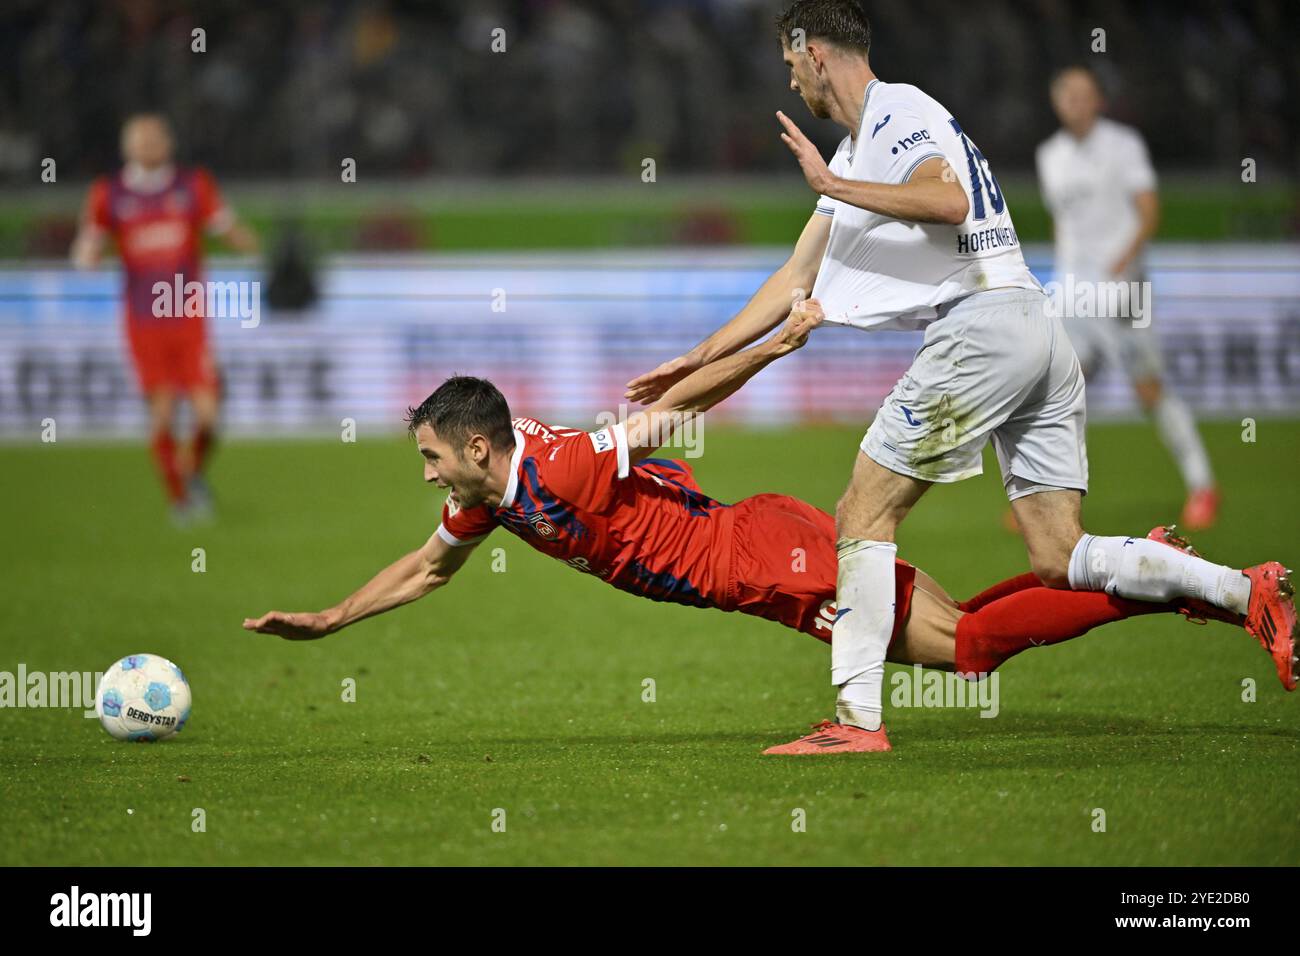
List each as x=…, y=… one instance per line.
x=164, y=455
x=1016, y=617
x=1000, y=590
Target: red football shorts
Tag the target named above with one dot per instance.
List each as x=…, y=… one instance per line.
x=171, y=353
x=783, y=566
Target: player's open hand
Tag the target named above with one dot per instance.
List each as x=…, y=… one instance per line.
x=651, y=386
x=803, y=318
x=814, y=168
x=292, y=627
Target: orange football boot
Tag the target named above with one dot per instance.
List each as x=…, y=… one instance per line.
x=1201, y=509
x=829, y=737
x=1270, y=615
x=1271, y=618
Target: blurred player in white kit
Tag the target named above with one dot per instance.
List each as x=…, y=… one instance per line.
x=1100, y=188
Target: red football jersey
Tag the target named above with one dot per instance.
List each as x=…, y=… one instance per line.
x=573, y=495
x=158, y=233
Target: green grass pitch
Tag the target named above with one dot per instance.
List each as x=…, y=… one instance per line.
x=522, y=690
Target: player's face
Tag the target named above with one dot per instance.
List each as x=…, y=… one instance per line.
x=1076, y=99
x=147, y=141
x=804, y=81
x=449, y=467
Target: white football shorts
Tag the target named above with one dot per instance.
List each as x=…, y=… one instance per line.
x=996, y=364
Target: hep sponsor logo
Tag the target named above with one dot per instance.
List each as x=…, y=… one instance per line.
x=907, y=142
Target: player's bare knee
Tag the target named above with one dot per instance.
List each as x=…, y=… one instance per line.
x=161, y=409
x=1052, y=572
x=1050, y=560
x=205, y=416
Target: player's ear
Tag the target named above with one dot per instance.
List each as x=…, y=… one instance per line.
x=478, y=449
x=817, y=54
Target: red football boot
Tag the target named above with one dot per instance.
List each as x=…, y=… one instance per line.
x=1198, y=612
x=1201, y=509
x=1271, y=618
x=829, y=737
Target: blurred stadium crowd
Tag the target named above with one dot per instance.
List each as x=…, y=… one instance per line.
x=410, y=87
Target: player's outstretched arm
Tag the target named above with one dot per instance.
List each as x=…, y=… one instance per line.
x=707, y=386
x=405, y=580
x=769, y=305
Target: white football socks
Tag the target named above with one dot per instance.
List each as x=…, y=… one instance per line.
x=1177, y=429
x=864, y=599
x=1145, y=570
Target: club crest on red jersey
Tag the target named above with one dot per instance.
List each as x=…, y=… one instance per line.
x=541, y=525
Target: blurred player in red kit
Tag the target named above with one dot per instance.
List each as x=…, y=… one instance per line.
x=156, y=212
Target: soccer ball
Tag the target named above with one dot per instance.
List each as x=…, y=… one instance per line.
x=143, y=697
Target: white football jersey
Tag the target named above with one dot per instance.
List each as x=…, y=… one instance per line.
x=1088, y=185
x=883, y=273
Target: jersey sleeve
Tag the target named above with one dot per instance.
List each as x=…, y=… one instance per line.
x=97, y=212
x=462, y=526
x=585, y=469
x=899, y=142
x=839, y=166
x=1139, y=175
x=213, y=214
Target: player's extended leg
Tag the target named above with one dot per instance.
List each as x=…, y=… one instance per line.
x=973, y=637
x=977, y=636
x=1177, y=430
x=1147, y=570
x=162, y=410
x=983, y=360
x=149, y=347
x=195, y=373
x=877, y=500
x=1035, y=617
x=205, y=404
x=866, y=519
x=1043, y=459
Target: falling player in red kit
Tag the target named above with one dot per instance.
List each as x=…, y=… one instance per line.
x=598, y=502
x=156, y=212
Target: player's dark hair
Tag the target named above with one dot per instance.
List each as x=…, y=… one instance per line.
x=840, y=22
x=463, y=406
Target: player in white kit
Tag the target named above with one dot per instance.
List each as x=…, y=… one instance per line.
x=1100, y=188
x=914, y=233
